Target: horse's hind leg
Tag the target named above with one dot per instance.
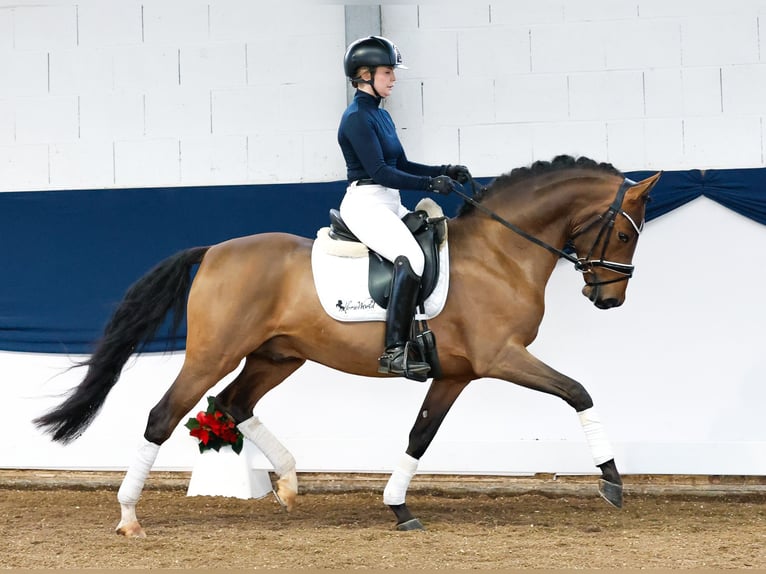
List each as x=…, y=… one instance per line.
x=260, y=374
x=188, y=388
x=437, y=403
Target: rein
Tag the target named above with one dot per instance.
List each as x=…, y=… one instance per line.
x=582, y=264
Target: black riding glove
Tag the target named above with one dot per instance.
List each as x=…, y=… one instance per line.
x=459, y=173
x=442, y=184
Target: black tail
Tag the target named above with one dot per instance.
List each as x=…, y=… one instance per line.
x=135, y=322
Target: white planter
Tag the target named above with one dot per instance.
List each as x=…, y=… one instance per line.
x=226, y=473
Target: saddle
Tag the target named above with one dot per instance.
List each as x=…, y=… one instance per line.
x=429, y=232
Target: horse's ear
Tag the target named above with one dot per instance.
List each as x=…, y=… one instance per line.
x=642, y=188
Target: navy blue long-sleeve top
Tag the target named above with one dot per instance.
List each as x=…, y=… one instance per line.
x=371, y=148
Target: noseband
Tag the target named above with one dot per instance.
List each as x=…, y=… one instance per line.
x=582, y=264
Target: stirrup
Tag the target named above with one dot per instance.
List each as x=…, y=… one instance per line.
x=396, y=361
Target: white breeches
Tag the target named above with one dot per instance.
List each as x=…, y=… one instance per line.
x=374, y=214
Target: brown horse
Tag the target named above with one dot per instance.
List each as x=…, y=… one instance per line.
x=254, y=298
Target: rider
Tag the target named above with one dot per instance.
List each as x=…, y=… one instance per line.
x=377, y=169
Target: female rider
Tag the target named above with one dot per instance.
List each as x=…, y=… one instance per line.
x=377, y=168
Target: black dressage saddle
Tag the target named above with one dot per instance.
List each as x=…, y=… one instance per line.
x=429, y=232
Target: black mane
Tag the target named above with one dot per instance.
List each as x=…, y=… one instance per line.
x=538, y=168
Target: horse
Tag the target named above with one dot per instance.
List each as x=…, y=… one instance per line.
x=254, y=298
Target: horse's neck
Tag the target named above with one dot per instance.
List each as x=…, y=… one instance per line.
x=544, y=209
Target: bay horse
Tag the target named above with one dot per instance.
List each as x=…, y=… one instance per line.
x=253, y=298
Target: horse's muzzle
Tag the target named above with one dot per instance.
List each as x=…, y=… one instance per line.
x=595, y=296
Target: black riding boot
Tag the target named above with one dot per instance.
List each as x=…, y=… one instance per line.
x=401, y=309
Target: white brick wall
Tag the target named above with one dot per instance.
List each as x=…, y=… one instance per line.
x=188, y=92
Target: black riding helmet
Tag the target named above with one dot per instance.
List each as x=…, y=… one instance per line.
x=372, y=52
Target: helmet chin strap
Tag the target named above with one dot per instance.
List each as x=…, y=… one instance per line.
x=370, y=82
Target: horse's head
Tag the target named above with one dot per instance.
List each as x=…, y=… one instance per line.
x=605, y=243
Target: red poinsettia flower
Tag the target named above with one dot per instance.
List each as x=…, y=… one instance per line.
x=214, y=429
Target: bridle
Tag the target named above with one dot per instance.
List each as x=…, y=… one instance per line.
x=585, y=264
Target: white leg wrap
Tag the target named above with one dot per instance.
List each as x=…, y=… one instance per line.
x=257, y=433
x=396, y=488
x=138, y=471
x=596, y=436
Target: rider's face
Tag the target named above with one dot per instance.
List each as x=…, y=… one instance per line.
x=385, y=78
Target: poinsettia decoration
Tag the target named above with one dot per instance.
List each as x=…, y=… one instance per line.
x=214, y=429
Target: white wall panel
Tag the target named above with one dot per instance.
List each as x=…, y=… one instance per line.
x=81, y=71
x=112, y=116
x=109, y=22
x=720, y=40
x=144, y=68
x=175, y=22
x=538, y=12
x=600, y=10
x=245, y=110
x=274, y=155
x=86, y=164
x=436, y=146
x=702, y=91
x=744, y=89
x=24, y=166
x=7, y=122
x=470, y=65
x=577, y=47
x=406, y=104
x=606, y=95
x=45, y=27
x=458, y=102
x=664, y=144
x=51, y=119
x=399, y=19
x=297, y=107
x=664, y=92
x=429, y=53
x=147, y=162
x=466, y=14
x=493, y=52
x=177, y=113
x=214, y=66
x=708, y=142
x=23, y=74
x=214, y=159
x=574, y=138
x=6, y=29
x=626, y=144
x=320, y=160
x=639, y=44
x=532, y=98
x=511, y=145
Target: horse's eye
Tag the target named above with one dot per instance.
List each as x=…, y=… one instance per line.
x=623, y=237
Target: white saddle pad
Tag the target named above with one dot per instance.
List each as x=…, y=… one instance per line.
x=340, y=276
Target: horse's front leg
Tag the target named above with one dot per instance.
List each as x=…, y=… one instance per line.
x=521, y=367
x=437, y=403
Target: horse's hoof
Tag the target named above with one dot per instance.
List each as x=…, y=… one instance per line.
x=130, y=530
x=287, y=490
x=411, y=524
x=610, y=492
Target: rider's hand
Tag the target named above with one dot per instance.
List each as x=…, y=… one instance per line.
x=459, y=173
x=442, y=184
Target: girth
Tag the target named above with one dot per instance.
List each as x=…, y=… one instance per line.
x=428, y=232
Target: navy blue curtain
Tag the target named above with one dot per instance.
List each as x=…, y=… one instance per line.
x=67, y=257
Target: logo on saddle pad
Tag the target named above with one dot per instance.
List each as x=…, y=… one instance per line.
x=353, y=283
